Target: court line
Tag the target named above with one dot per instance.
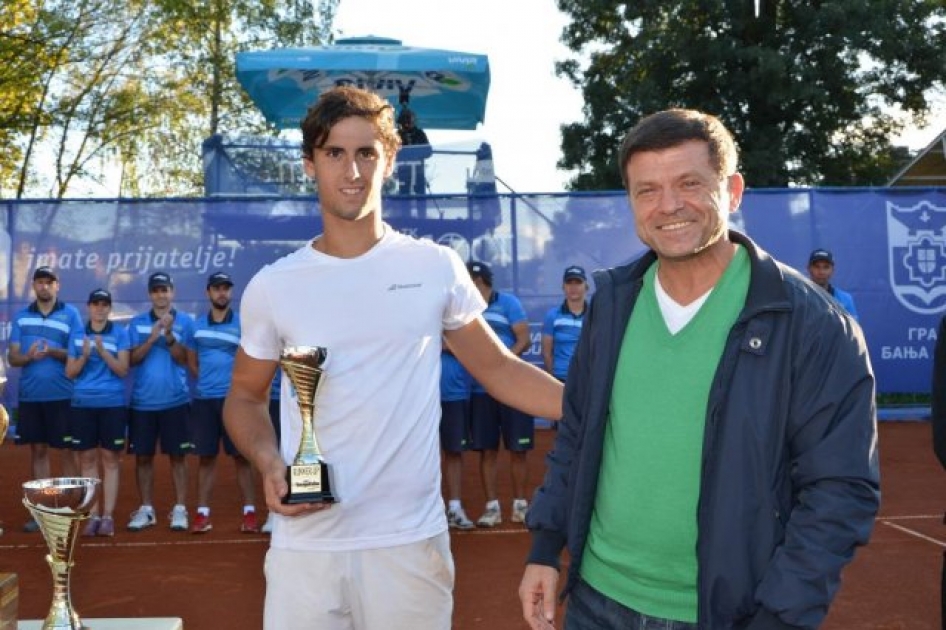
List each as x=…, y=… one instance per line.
x=915, y=534
x=885, y=520
x=483, y=531
x=146, y=543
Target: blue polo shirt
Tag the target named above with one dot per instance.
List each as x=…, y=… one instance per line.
x=216, y=345
x=503, y=311
x=45, y=380
x=97, y=385
x=160, y=382
x=564, y=327
x=455, y=381
x=845, y=299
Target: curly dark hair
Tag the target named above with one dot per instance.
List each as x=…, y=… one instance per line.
x=343, y=102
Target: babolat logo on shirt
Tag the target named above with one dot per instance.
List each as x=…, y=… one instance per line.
x=398, y=287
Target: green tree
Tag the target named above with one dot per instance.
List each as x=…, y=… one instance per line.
x=20, y=48
x=809, y=87
x=88, y=85
x=197, y=45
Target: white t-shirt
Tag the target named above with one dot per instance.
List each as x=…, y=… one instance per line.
x=377, y=414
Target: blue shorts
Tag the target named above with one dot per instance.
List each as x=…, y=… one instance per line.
x=104, y=427
x=454, y=425
x=44, y=422
x=489, y=418
x=170, y=425
x=207, y=428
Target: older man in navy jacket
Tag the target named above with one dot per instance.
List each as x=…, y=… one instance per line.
x=716, y=463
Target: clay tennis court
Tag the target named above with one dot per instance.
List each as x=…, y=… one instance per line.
x=215, y=581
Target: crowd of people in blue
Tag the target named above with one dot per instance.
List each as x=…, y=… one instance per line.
x=74, y=396
x=473, y=420
x=714, y=464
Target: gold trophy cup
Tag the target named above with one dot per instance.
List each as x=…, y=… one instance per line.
x=308, y=475
x=4, y=423
x=60, y=505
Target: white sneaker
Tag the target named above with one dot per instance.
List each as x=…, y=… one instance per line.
x=519, y=509
x=178, y=518
x=141, y=518
x=267, y=527
x=491, y=518
x=457, y=519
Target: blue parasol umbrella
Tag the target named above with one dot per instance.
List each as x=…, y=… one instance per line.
x=446, y=89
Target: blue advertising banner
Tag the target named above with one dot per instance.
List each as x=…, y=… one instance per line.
x=889, y=247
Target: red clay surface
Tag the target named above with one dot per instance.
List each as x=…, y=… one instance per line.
x=215, y=580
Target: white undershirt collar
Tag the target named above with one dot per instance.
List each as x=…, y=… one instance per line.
x=676, y=316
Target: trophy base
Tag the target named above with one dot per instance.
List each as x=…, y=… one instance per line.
x=308, y=483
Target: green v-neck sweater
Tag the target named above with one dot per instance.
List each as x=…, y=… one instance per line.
x=641, y=548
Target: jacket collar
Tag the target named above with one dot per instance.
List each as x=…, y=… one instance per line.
x=767, y=290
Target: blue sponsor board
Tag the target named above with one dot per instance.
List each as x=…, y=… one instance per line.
x=889, y=247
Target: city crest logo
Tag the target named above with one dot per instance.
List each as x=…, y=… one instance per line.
x=916, y=250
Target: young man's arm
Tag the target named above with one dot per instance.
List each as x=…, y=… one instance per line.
x=505, y=376
x=246, y=418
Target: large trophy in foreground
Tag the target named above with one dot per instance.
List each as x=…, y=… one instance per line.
x=4, y=423
x=308, y=475
x=60, y=505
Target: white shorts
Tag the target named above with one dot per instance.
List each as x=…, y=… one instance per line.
x=407, y=587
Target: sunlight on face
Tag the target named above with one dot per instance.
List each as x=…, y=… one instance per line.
x=350, y=169
x=680, y=204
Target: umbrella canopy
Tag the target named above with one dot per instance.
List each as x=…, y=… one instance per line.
x=446, y=89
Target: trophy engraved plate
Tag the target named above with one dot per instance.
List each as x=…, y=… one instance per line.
x=60, y=505
x=308, y=475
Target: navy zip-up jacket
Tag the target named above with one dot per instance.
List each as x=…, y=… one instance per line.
x=789, y=482
x=938, y=398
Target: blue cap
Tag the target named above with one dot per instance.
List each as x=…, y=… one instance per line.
x=480, y=270
x=159, y=279
x=219, y=277
x=574, y=272
x=820, y=255
x=100, y=295
x=45, y=272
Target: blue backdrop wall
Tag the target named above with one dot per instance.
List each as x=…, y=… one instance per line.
x=889, y=245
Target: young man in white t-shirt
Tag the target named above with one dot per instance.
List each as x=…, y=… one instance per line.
x=378, y=301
